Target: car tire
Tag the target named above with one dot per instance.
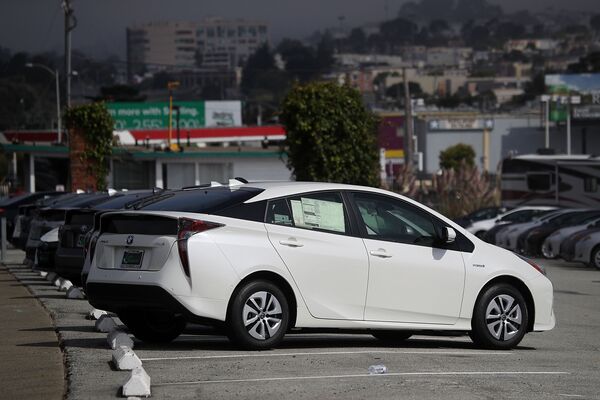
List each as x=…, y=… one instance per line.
x=392, y=337
x=153, y=326
x=595, y=257
x=500, y=318
x=480, y=234
x=258, y=316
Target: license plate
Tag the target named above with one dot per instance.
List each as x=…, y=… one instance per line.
x=132, y=259
x=80, y=240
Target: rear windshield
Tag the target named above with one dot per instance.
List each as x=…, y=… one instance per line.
x=82, y=200
x=206, y=201
x=119, y=201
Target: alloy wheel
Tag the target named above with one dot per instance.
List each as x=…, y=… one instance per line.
x=503, y=317
x=596, y=259
x=262, y=315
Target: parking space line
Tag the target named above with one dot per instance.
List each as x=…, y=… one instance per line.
x=329, y=353
x=297, y=378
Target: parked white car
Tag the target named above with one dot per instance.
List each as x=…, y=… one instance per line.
x=520, y=214
x=262, y=258
x=587, y=250
x=507, y=238
x=551, y=245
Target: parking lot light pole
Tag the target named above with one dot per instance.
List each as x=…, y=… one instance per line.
x=57, y=78
x=546, y=100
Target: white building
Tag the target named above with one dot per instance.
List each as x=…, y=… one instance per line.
x=228, y=43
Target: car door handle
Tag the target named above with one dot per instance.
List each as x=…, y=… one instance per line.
x=380, y=253
x=291, y=243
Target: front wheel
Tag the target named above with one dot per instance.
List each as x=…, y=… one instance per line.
x=258, y=316
x=595, y=258
x=500, y=318
x=153, y=326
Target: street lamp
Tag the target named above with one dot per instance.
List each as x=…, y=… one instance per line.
x=546, y=100
x=565, y=100
x=56, y=77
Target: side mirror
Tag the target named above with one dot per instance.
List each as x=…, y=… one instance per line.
x=448, y=235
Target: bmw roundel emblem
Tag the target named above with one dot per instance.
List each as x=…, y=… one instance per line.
x=129, y=239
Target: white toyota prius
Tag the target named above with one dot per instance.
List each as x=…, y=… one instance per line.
x=259, y=259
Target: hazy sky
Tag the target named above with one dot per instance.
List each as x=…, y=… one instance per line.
x=36, y=25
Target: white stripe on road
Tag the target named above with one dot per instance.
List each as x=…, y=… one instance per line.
x=329, y=353
x=296, y=378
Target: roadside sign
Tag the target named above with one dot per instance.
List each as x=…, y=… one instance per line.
x=132, y=116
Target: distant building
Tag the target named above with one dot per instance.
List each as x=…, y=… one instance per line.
x=159, y=46
x=213, y=43
x=531, y=44
x=229, y=43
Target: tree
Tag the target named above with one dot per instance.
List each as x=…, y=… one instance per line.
x=357, y=41
x=397, y=90
x=300, y=60
x=454, y=156
x=398, y=31
x=255, y=74
x=325, y=49
x=331, y=135
x=438, y=27
x=263, y=84
x=586, y=64
x=90, y=144
x=120, y=93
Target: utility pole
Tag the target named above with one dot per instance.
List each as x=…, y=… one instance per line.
x=172, y=85
x=408, y=123
x=70, y=24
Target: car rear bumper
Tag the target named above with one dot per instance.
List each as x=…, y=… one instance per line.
x=69, y=262
x=116, y=297
x=46, y=252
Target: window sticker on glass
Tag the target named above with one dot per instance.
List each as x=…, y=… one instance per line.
x=282, y=219
x=321, y=214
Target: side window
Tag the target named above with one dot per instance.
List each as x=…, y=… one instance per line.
x=319, y=211
x=517, y=216
x=278, y=213
x=384, y=218
x=590, y=184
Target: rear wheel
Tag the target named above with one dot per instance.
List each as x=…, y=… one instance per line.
x=392, y=337
x=480, y=234
x=153, y=326
x=258, y=316
x=595, y=258
x=500, y=318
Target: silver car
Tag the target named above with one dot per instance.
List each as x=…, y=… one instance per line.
x=551, y=246
x=587, y=250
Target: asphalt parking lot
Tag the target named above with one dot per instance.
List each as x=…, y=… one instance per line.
x=562, y=363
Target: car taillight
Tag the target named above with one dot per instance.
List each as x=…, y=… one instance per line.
x=92, y=247
x=187, y=228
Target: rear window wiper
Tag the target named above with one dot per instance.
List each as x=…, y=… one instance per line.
x=151, y=200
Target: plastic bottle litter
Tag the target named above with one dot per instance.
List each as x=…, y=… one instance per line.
x=377, y=369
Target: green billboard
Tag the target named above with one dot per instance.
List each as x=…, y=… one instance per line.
x=136, y=116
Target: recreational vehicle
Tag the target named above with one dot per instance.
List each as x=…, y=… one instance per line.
x=559, y=180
